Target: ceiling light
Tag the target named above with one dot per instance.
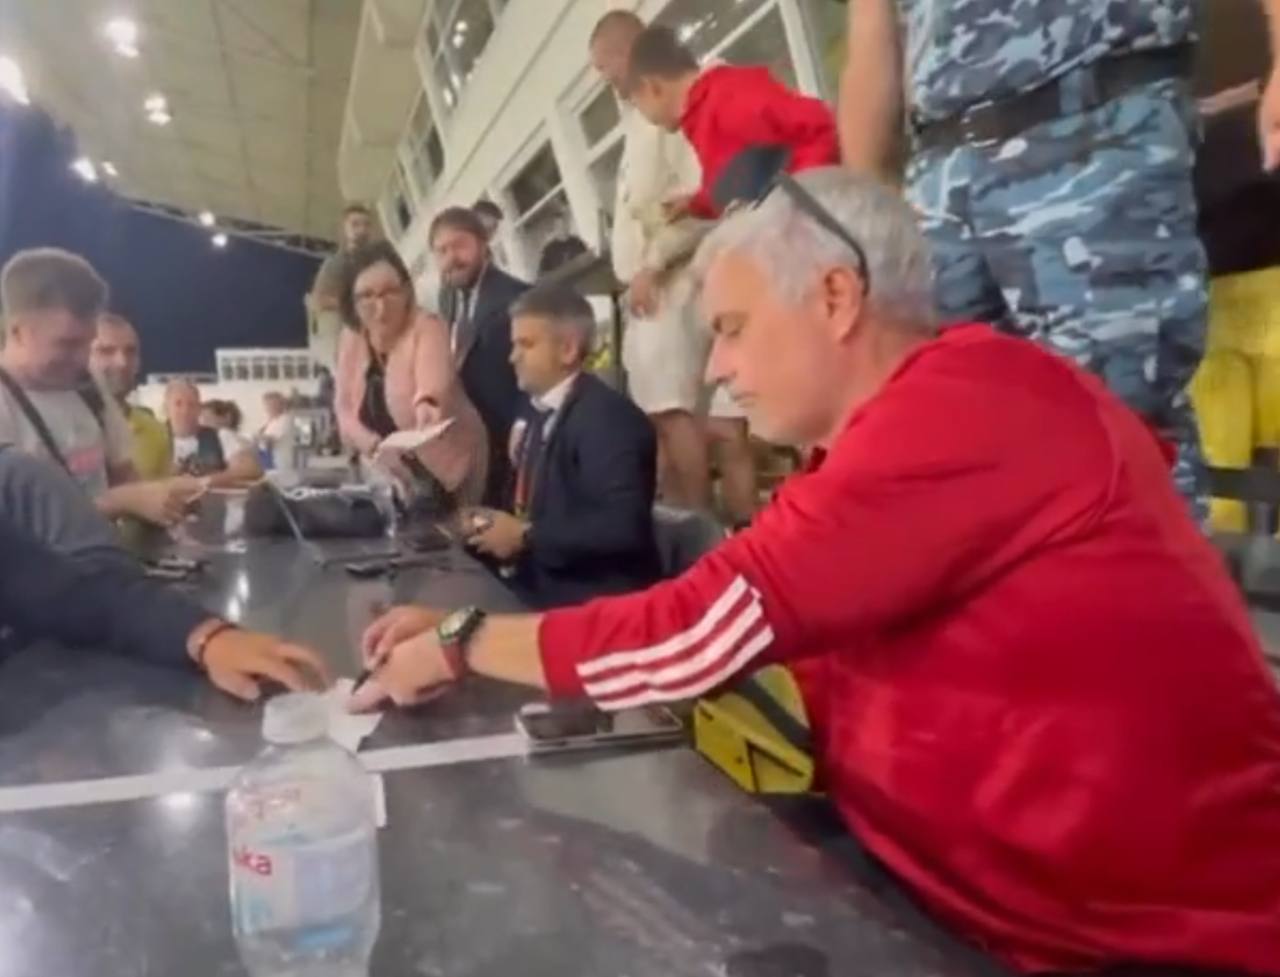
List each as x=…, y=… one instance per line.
x=461, y=26
x=219, y=240
x=156, y=103
x=85, y=169
x=160, y=118
x=11, y=81
x=109, y=168
x=207, y=218
x=123, y=35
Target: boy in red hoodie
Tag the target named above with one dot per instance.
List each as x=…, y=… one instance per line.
x=722, y=110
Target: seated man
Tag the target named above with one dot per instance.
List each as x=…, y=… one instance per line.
x=723, y=109
x=111, y=605
x=1035, y=694
x=218, y=455
x=114, y=360
x=49, y=405
x=579, y=519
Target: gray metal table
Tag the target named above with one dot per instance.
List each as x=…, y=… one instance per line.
x=617, y=865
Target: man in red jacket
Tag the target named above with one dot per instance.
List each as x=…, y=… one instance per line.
x=1041, y=702
x=724, y=109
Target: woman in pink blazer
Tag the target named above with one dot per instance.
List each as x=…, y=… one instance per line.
x=396, y=373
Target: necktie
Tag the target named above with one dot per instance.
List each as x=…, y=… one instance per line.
x=530, y=458
x=460, y=334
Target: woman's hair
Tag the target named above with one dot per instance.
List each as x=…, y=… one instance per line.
x=227, y=411
x=361, y=260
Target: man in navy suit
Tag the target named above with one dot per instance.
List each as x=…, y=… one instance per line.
x=578, y=518
x=475, y=301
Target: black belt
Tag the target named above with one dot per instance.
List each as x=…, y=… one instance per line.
x=1097, y=83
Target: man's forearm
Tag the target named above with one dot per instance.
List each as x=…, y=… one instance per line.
x=241, y=470
x=111, y=606
x=506, y=648
x=116, y=502
x=870, y=110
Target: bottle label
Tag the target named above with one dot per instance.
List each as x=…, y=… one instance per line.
x=283, y=878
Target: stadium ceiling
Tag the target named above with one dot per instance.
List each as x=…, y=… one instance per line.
x=226, y=107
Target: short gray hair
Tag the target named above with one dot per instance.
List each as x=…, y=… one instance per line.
x=564, y=308
x=795, y=248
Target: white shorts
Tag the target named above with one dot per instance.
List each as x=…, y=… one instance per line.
x=666, y=358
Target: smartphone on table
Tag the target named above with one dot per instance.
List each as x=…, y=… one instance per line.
x=552, y=728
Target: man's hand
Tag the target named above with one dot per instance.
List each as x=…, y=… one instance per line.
x=164, y=502
x=502, y=539
x=642, y=293
x=676, y=208
x=395, y=627
x=236, y=661
x=414, y=672
x=1269, y=121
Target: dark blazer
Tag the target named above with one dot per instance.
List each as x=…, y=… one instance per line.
x=592, y=506
x=485, y=366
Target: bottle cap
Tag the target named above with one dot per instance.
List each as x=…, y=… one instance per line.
x=295, y=718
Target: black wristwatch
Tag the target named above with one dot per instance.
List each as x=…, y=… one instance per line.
x=454, y=634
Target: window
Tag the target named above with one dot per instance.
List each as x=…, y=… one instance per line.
x=540, y=204
x=535, y=181
x=705, y=24
x=764, y=43
x=397, y=211
x=456, y=34
x=827, y=21
x=600, y=117
x=424, y=149
x=604, y=174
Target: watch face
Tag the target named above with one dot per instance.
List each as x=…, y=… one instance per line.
x=452, y=626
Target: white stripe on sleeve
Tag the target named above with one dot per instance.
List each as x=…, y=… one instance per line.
x=675, y=644
x=750, y=650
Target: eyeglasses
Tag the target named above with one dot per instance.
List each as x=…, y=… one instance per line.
x=757, y=172
x=369, y=299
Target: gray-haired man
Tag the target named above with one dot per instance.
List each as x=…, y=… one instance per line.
x=1019, y=665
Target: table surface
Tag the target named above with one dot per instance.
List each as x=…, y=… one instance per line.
x=619, y=864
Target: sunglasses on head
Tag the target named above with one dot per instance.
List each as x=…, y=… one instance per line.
x=756, y=172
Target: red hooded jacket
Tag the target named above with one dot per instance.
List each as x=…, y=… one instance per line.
x=1037, y=696
x=730, y=108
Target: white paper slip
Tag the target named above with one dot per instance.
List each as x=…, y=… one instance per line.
x=345, y=728
x=416, y=438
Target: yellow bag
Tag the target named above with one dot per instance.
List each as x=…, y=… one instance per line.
x=1222, y=392
x=1244, y=313
x=1266, y=372
x=757, y=732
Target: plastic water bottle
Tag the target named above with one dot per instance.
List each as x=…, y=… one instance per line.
x=303, y=850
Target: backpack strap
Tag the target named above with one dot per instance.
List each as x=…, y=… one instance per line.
x=92, y=398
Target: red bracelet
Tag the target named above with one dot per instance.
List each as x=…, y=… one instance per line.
x=197, y=650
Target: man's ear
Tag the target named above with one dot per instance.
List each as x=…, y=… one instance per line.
x=843, y=301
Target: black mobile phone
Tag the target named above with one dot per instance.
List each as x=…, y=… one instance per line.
x=573, y=727
x=367, y=569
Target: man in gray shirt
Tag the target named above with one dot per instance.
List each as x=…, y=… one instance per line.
x=50, y=407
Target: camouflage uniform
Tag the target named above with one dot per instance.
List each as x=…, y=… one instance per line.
x=1080, y=232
